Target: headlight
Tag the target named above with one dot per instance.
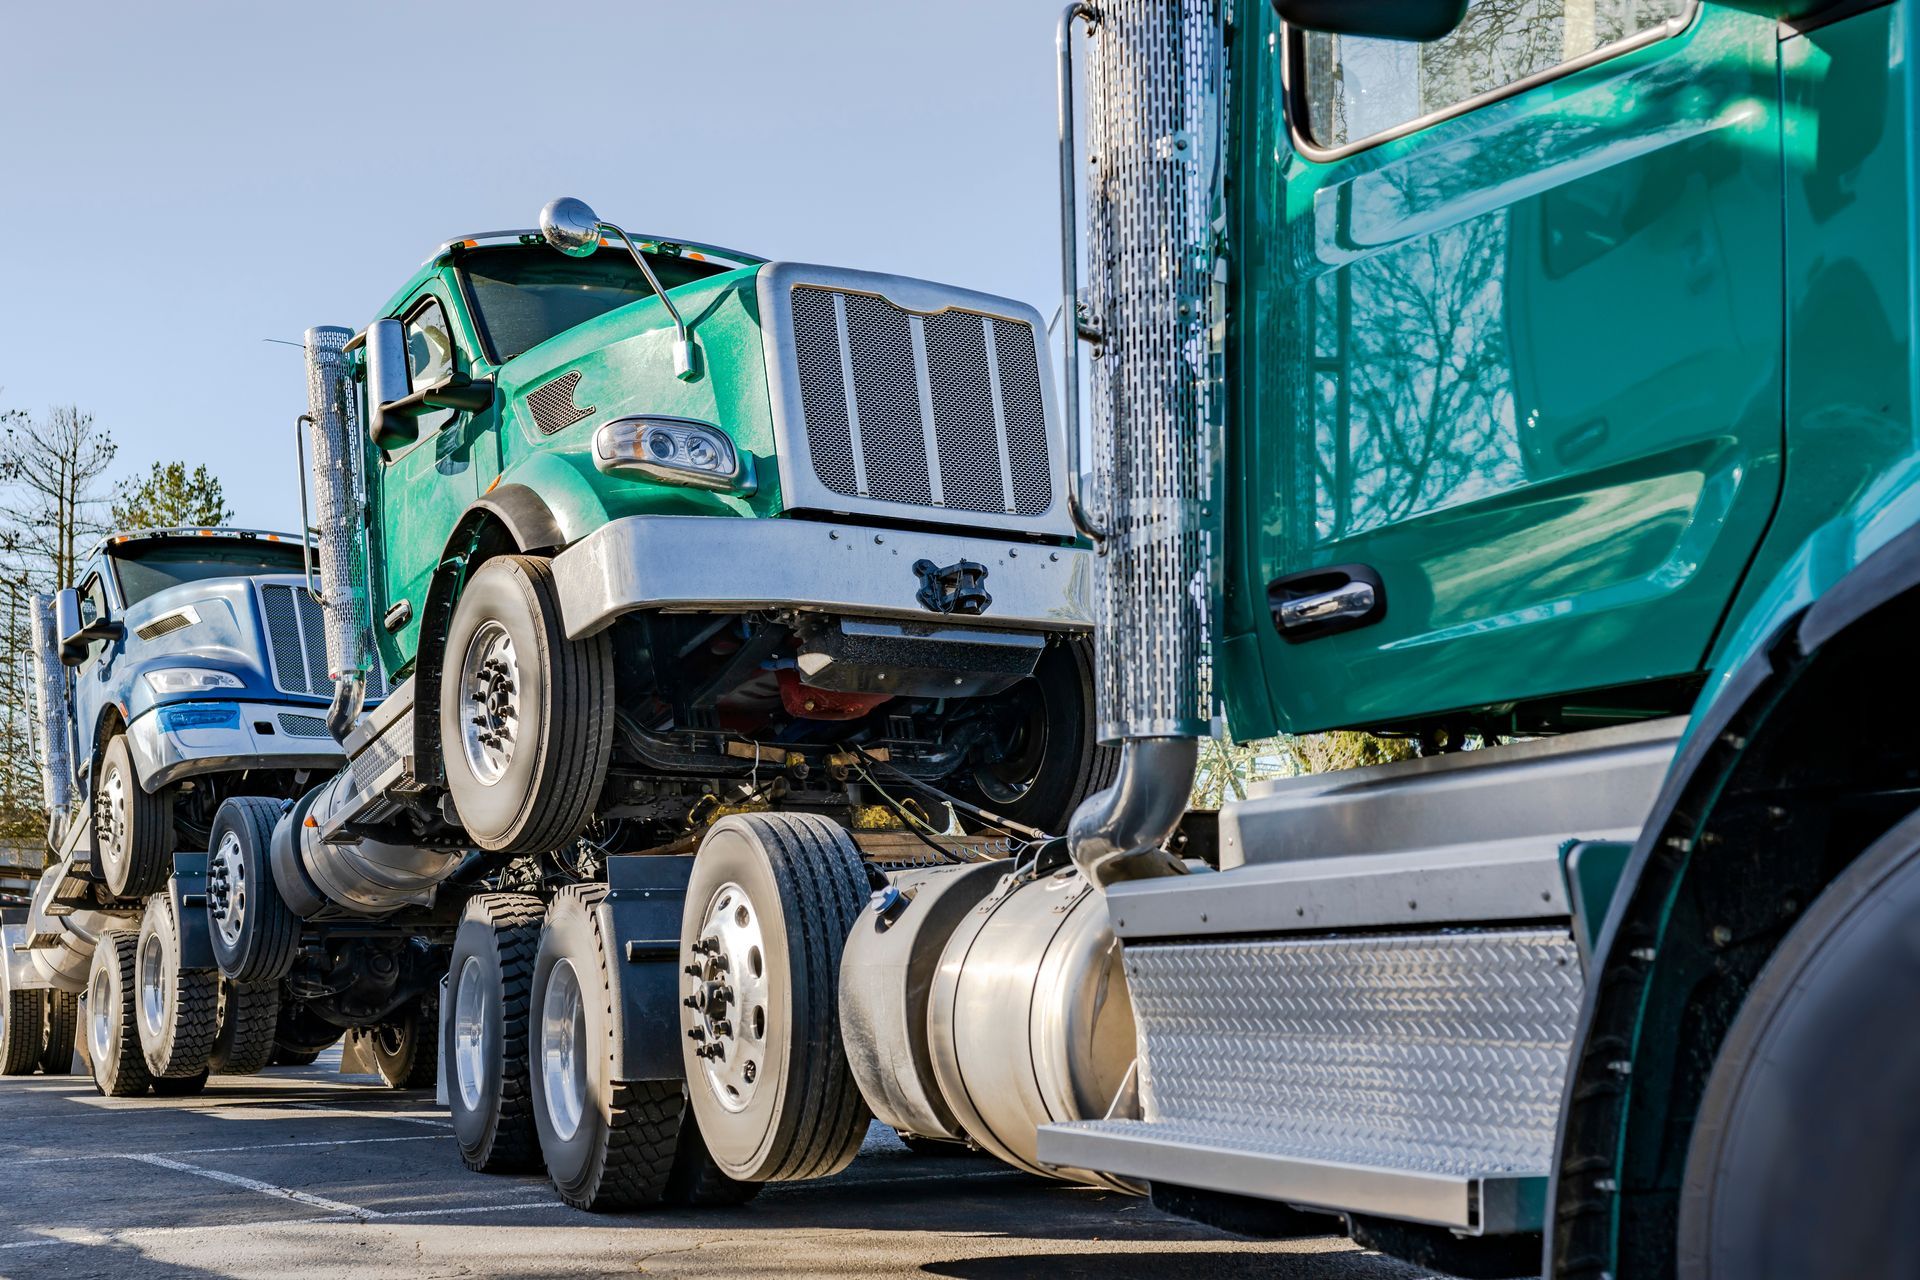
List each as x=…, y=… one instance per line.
x=676, y=450
x=190, y=680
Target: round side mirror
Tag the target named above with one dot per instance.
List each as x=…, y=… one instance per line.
x=570, y=226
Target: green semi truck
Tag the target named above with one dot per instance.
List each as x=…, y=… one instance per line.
x=671, y=552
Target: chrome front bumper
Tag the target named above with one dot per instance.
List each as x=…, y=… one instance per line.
x=161, y=756
x=710, y=563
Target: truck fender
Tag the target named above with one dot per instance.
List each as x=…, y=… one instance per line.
x=641, y=913
x=1708, y=893
x=524, y=514
x=187, y=886
x=508, y=518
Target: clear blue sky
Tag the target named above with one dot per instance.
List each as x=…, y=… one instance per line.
x=180, y=181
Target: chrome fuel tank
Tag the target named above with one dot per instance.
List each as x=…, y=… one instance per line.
x=1029, y=1022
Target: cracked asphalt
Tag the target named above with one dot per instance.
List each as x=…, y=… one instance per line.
x=304, y=1172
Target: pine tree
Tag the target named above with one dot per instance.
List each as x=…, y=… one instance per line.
x=170, y=497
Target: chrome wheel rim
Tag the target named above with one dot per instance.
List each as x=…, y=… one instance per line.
x=727, y=990
x=470, y=1034
x=490, y=710
x=100, y=1016
x=111, y=813
x=227, y=889
x=151, y=972
x=563, y=1051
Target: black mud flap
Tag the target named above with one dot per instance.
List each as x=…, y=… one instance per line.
x=188, y=888
x=641, y=913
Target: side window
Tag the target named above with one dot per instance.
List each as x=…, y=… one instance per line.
x=1355, y=87
x=93, y=605
x=430, y=356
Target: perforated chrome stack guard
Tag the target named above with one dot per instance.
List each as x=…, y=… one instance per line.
x=334, y=436
x=1153, y=97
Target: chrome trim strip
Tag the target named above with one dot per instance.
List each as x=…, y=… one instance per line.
x=929, y=431
x=1489, y=1204
x=729, y=564
x=1293, y=88
x=999, y=414
x=855, y=445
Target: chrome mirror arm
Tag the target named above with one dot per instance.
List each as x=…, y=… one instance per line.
x=683, y=342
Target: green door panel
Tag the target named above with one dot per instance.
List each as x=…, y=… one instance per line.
x=1522, y=362
x=1850, y=240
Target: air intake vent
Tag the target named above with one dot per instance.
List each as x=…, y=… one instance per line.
x=552, y=406
x=167, y=623
x=299, y=726
x=296, y=647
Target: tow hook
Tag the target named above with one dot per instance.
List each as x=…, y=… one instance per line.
x=958, y=588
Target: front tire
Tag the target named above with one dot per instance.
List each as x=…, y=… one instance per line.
x=132, y=830
x=490, y=991
x=1042, y=755
x=1801, y=1163
x=113, y=1018
x=526, y=715
x=768, y=909
x=255, y=934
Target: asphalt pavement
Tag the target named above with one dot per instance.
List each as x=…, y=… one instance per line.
x=306, y=1173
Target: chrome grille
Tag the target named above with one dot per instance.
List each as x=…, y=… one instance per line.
x=296, y=643
x=939, y=403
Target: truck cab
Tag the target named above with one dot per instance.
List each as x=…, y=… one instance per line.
x=197, y=672
x=1542, y=394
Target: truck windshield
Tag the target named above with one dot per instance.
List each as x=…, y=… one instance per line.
x=525, y=294
x=145, y=570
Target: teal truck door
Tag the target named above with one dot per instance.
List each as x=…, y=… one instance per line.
x=422, y=490
x=1529, y=266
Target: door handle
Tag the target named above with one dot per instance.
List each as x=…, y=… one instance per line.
x=1323, y=602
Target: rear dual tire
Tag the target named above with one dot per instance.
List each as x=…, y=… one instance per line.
x=489, y=998
x=768, y=910
x=113, y=1018
x=608, y=1144
x=23, y=1027
x=249, y=1015
x=178, y=1007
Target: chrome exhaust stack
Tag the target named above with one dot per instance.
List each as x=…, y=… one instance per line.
x=52, y=719
x=332, y=424
x=1153, y=84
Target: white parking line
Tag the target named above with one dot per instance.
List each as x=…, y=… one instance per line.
x=141, y=1233
x=255, y=1146
x=254, y=1184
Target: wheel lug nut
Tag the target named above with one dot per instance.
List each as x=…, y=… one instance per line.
x=695, y=1033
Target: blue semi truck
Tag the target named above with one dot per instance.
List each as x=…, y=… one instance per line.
x=183, y=668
